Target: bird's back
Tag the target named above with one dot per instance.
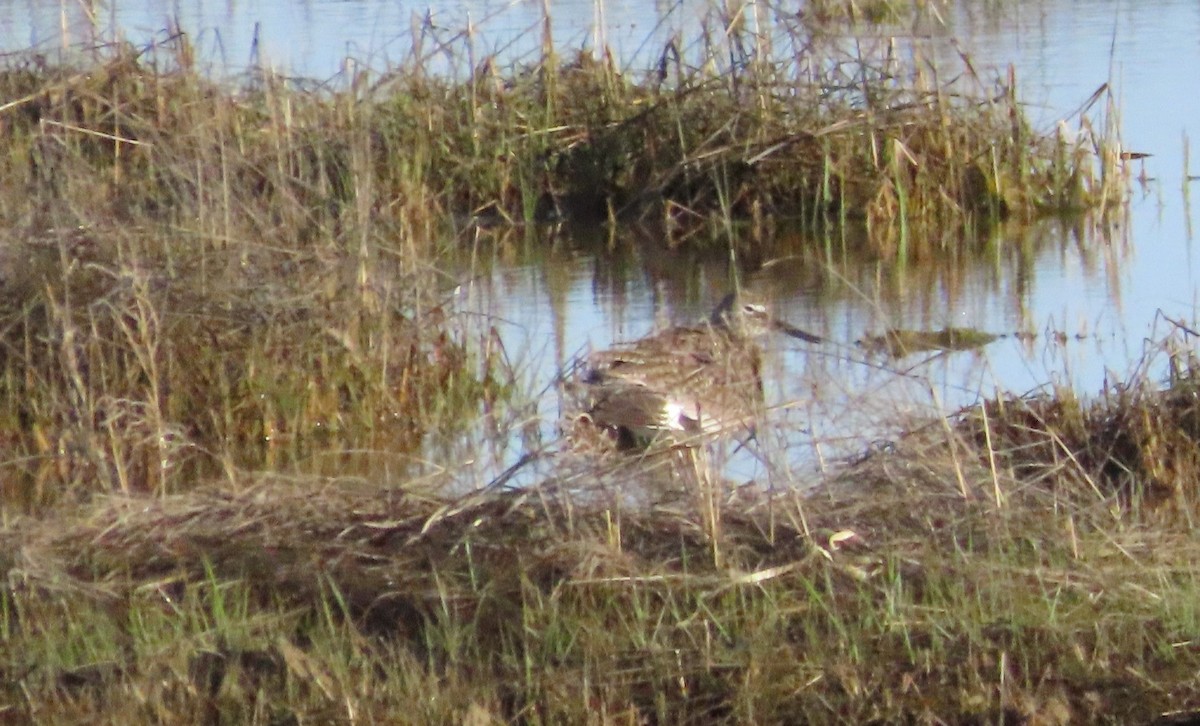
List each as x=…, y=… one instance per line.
x=687, y=381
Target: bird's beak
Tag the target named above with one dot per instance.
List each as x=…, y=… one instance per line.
x=795, y=332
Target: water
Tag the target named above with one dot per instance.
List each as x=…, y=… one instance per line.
x=315, y=38
x=1093, y=299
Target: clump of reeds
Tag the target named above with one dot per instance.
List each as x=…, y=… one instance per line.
x=732, y=128
x=198, y=281
x=126, y=371
x=1137, y=445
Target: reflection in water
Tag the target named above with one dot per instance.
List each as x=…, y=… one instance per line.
x=556, y=294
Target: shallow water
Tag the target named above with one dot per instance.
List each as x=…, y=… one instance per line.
x=1092, y=297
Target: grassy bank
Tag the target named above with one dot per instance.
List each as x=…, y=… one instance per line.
x=1040, y=577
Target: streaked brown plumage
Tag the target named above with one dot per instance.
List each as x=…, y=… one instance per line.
x=683, y=384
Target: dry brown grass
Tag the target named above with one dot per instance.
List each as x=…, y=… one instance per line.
x=914, y=585
x=1135, y=445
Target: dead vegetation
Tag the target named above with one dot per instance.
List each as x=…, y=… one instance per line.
x=1136, y=442
x=215, y=282
x=939, y=580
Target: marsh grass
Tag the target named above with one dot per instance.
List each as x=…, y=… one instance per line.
x=198, y=281
x=201, y=282
x=920, y=583
x=201, y=279
x=125, y=371
x=1134, y=445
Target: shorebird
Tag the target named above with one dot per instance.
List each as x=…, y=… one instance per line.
x=683, y=385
